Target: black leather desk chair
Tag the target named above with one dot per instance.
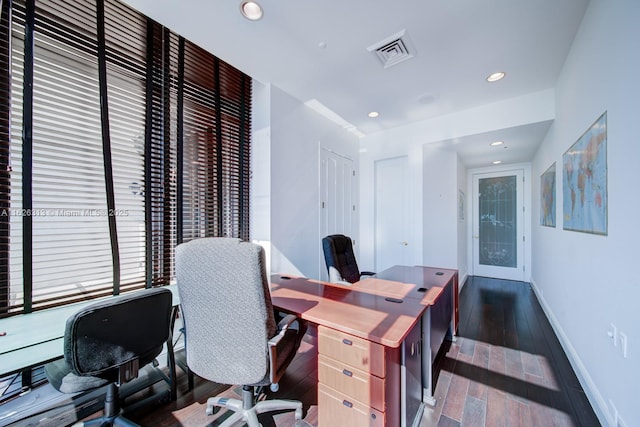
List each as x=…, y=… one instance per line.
x=108, y=341
x=340, y=260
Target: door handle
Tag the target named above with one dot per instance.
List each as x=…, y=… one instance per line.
x=405, y=243
x=476, y=236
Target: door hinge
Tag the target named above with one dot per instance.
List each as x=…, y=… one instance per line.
x=354, y=208
x=353, y=173
x=523, y=238
x=322, y=205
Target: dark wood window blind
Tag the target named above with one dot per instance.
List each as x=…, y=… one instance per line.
x=118, y=140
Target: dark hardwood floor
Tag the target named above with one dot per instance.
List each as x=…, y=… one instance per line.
x=506, y=368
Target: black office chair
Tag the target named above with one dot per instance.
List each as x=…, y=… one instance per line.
x=340, y=260
x=108, y=341
x=231, y=332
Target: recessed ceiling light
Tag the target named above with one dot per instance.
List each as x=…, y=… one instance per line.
x=496, y=143
x=373, y=114
x=496, y=76
x=497, y=162
x=251, y=10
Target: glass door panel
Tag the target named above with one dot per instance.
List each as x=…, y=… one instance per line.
x=498, y=225
x=498, y=221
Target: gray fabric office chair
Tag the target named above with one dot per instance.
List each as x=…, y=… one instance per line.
x=230, y=327
x=108, y=341
x=341, y=261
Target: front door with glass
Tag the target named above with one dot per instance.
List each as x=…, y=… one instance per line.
x=498, y=237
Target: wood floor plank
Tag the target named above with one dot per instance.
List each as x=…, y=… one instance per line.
x=478, y=388
x=474, y=414
x=531, y=364
x=447, y=422
x=456, y=397
x=496, y=415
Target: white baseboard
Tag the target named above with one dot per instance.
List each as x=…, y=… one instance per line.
x=462, y=279
x=598, y=403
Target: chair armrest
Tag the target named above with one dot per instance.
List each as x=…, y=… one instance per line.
x=367, y=273
x=278, y=342
x=284, y=323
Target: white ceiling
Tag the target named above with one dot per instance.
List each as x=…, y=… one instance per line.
x=317, y=52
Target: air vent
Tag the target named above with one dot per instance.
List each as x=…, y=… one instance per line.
x=393, y=49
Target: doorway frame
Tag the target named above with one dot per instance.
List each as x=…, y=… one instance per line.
x=527, y=214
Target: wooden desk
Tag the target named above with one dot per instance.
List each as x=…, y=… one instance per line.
x=437, y=291
x=417, y=277
x=357, y=312
x=427, y=314
x=370, y=344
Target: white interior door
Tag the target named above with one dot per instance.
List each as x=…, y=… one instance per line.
x=498, y=225
x=392, y=243
x=337, y=199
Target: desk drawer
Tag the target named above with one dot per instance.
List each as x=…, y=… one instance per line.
x=337, y=409
x=359, y=385
x=353, y=351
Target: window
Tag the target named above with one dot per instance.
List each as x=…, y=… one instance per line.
x=95, y=197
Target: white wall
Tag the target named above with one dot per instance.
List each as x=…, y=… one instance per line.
x=260, y=205
x=440, y=207
x=438, y=171
x=296, y=134
x=584, y=281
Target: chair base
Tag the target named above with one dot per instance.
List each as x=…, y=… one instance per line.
x=118, y=421
x=112, y=412
x=248, y=412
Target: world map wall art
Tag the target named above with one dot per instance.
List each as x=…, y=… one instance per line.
x=584, y=181
x=548, y=197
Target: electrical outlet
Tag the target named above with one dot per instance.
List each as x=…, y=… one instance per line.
x=622, y=338
x=613, y=334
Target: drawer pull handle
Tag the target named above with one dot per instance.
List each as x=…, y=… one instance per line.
x=347, y=342
x=347, y=404
x=347, y=372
